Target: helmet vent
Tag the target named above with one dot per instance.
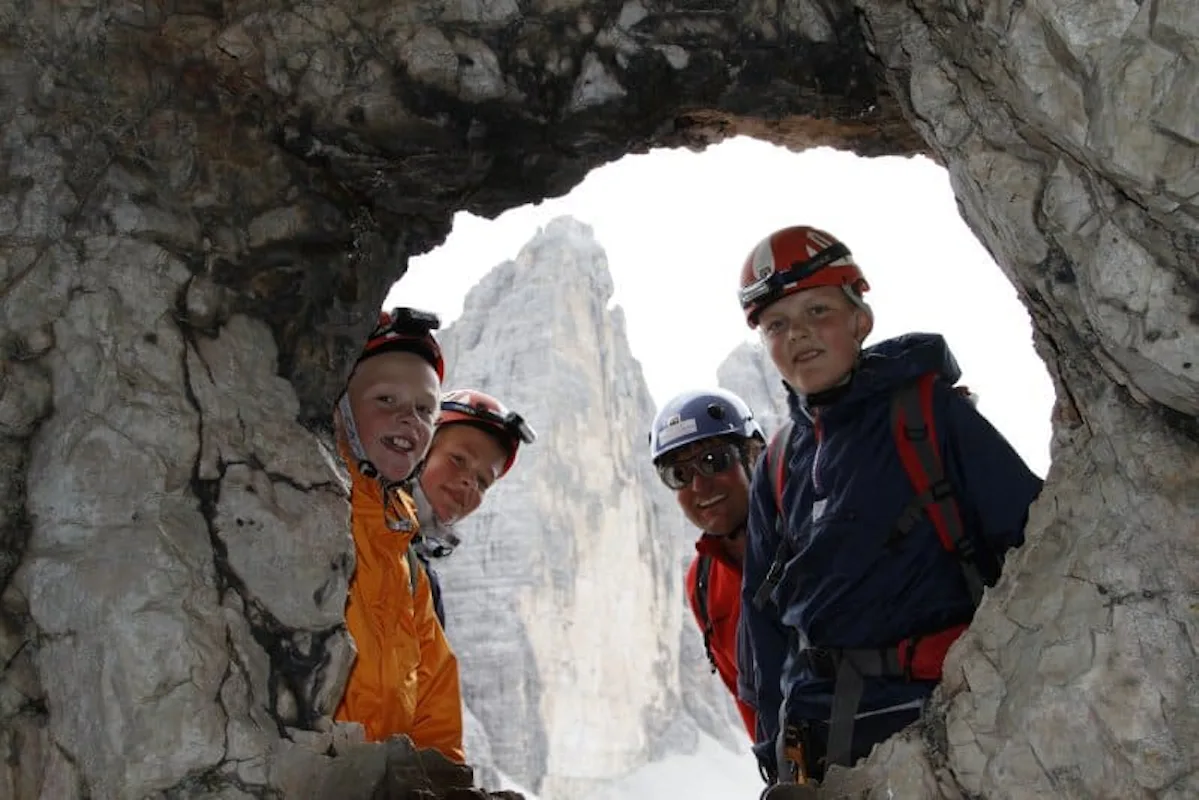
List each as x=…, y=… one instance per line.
x=716, y=411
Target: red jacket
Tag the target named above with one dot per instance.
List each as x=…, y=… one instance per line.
x=724, y=609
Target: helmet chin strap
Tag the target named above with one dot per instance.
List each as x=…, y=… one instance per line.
x=353, y=439
x=436, y=539
x=365, y=466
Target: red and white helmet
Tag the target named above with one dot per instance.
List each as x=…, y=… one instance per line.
x=472, y=407
x=406, y=330
x=791, y=260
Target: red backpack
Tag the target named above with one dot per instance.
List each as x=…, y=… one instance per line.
x=919, y=657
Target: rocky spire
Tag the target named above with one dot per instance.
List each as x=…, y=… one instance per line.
x=565, y=599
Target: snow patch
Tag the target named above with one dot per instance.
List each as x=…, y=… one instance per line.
x=712, y=772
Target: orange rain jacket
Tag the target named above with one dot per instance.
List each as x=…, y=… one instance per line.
x=405, y=680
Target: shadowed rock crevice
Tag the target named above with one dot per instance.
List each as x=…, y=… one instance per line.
x=25, y=401
x=300, y=661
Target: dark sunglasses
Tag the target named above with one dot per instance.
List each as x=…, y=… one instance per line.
x=679, y=474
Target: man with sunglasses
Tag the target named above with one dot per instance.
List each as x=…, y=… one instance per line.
x=474, y=445
x=704, y=445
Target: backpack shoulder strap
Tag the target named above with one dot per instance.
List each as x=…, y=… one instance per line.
x=914, y=429
x=780, y=461
x=776, y=463
x=413, y=566
x=703, y=574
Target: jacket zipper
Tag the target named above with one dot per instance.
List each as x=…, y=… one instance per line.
x=818, y=430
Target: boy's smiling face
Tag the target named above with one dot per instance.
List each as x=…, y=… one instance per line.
x=463, y=464
x=814, y=337
x=393, y=397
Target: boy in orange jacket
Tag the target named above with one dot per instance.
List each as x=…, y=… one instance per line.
x=405, y=680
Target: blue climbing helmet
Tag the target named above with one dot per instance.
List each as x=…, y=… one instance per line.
x=697, y=415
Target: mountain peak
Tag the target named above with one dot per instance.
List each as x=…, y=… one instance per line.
x=563, y=260
x=579, y=546
x=569, y=227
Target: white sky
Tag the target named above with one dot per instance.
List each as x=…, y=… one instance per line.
x=677, y=226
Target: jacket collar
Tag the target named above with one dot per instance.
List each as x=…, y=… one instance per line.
x=436, y=537
x=708, y=545
x=394, y=507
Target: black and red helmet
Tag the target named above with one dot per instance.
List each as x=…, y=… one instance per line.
x=406, y=330
x=472, y=407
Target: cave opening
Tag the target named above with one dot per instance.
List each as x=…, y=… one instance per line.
x=203, y=204
x=692, y=216
x=672, y=227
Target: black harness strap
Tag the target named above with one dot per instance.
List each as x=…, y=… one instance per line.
x=783, y=553
x=920, y=454
x=703, y=574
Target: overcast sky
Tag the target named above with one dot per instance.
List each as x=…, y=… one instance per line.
x=677, y=226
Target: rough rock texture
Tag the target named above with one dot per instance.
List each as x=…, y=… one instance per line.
x=752, y=376
x=203, y=203
x=392, y=771
x=1069, y=131
x=564, y=602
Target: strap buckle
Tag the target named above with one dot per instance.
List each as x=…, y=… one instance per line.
x=821, y=661
x=941, y=490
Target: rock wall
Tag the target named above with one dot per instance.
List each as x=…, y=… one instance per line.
x=1069, y=135
x=203, y=204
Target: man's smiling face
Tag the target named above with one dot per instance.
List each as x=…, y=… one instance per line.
x=717, y=504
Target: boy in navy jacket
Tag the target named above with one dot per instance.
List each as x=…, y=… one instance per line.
x=855, y=583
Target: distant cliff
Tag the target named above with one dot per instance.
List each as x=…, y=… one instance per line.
x=749, y=372
x=565, y=599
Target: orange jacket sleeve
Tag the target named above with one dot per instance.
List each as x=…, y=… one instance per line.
x=438, y=719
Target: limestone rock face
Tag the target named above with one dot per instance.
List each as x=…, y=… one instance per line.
x=749, y=373
x=203, y=204
x=564, y=601
x=1076, y=678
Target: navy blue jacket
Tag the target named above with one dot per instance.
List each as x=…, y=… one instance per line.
x=845, y=586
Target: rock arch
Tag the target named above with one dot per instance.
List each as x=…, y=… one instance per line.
x=203, y=203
